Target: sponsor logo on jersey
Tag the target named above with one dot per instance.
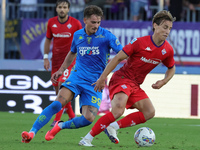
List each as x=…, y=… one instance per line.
x=133, y=40
x=163, y=52
x=55, y=26
x=148, y=49
x=69, y=26
x=89, y=50
x=64, y=35
x=151, y=61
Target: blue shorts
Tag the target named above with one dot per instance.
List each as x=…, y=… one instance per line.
x=85, y=90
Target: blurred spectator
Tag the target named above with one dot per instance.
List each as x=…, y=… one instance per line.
x=50, y=11
x=176, y=8
x=99, y=3
x=41, y=11
x=191, y=4
x=28, y=8
x=76, y=8
x=117, y=8
x=138, y=9
x=13, y=10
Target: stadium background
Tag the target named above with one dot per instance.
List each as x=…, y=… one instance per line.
x=25, y=85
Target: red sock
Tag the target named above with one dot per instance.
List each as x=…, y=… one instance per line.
x=131, y=120
x=102, y=123
x=69, y=110
x=59, y=114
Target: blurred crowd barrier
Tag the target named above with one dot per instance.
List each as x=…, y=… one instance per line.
x=24, y=29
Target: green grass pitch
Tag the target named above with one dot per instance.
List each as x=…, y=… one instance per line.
x=171, y=134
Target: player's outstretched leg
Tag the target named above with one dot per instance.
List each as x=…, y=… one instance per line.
x=52, y=133
x=41, y=120
x=27, y=137
x=57, y=117
x=74, y=123
x=112, y=134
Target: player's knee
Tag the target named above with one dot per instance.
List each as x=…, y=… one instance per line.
x=149, y=114
x=117, y=113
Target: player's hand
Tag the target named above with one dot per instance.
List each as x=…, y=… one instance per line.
x=100, y=84
x=158, y=84
x=55, y=76
x=46, y=64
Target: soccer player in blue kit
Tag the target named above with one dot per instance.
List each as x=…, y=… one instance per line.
x=91, y=47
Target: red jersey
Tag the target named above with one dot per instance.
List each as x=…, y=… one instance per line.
x=62, y=34
x=144, y=56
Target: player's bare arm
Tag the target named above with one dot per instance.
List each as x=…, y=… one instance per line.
x=46, y=51
x=100, y=83
x=168, y=75
x=67, y=62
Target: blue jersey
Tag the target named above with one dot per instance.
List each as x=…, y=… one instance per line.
x=93, y=52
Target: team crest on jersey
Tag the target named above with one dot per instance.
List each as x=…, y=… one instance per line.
x=124, y=86
x=133, y=40
x=69, y=25
x=164, y=52
x=89, y=40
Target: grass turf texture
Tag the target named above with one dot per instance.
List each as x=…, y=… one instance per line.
x=180, y=134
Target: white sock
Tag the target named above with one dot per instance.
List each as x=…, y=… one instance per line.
x=60, y=124
x=89, y=136
x=114, y=125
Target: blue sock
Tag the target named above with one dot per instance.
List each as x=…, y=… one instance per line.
x=75, y=123
x=46, y=115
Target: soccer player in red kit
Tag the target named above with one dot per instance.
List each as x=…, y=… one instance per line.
x=142, y=54
x=61, y=29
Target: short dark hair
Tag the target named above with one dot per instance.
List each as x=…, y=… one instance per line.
x=162, y=15
x=61, y=1
x=92, y=10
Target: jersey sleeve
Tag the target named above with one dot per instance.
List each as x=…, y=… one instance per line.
x=169, y=61
x=114, y=43
x=49, y=33
x=132, y=47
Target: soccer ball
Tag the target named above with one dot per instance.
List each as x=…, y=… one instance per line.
x=144, y=137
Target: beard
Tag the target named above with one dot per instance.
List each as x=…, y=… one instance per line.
x=62, y=16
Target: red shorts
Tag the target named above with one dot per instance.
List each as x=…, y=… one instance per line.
x=64, y=76
x=120, y=84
